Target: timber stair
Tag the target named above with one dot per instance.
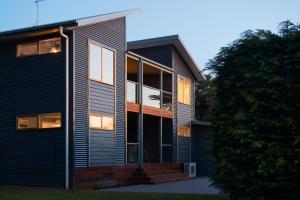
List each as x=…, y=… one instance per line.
x=157, y=173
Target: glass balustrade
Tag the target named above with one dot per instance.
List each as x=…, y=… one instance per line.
x=132, y=91
x=151, y=97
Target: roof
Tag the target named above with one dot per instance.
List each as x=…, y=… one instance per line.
x=70, y=23
x=170, y=40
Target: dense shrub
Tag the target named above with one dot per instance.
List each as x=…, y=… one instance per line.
x=257, y=117
x=205, y=99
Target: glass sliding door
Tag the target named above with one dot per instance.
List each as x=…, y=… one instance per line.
x=132, y=138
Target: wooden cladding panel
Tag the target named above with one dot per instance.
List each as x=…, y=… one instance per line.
x=133, y=107
x=148, y=110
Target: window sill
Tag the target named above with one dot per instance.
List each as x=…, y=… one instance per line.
x=184, y=104
x=100, y=129
x=36, y=129
x=98, y=81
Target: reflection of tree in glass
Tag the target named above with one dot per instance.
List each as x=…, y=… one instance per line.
x=154, y=97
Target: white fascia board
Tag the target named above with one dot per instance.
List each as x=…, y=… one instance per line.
x=106, y=17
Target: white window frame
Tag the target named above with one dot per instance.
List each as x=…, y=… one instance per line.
x=89, y=62
x=101, y=128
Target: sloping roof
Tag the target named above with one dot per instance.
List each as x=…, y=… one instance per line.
x=70, y=23
x=170, y=40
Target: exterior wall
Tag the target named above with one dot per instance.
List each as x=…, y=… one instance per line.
x=107, y=148
x=202, y=153
x=31, y=85
x=184, y=112
x=161, y=54
x=102, y=143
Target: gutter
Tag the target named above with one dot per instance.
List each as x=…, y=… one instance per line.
x=67, y=109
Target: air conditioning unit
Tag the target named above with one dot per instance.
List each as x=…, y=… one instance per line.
x=190, y=169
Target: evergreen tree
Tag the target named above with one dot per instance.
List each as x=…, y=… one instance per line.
x=256, y=121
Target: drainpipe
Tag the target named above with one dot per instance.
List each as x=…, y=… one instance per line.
x=67, y=110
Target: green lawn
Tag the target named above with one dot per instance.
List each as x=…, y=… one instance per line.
x=9, y=193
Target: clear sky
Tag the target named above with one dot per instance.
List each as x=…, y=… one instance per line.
x=204, y=25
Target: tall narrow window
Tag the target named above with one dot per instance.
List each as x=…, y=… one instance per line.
x=187, y=91
x=180, y=89
x=108, y=66
x=101, y=63
x=95, y=62
x=184, y=90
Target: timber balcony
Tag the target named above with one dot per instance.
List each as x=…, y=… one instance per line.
x=155, y=102
x=149, y=88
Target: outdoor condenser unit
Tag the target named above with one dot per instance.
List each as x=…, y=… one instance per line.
x=190, y=169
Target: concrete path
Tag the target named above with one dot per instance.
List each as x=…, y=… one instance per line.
x=191, y=186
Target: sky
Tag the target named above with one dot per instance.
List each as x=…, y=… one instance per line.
x=204, y=25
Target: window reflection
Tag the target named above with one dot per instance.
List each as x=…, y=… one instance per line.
x=108, y=66
x=167, y=101
x=151, y=97
x=132, y=92
x=95, y=62
x=27, y=122
x=50, y=121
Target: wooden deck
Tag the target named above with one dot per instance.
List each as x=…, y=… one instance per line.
x=105, y=177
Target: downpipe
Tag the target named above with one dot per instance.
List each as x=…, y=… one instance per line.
x=66, y=109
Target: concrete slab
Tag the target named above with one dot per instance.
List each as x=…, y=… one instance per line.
x=191, y=186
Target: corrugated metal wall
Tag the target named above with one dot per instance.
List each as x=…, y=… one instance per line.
x=184, y=112
x=110, y=33
x=31, y=85
x=102, y=143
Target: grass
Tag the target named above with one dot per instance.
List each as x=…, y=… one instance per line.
x=20, y=193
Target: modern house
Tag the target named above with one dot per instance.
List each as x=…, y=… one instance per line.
x=78, y=103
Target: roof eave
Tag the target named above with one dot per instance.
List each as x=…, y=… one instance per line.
x=177, y=42
x=106, y=17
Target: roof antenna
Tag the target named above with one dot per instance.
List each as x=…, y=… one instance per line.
x=37, y=11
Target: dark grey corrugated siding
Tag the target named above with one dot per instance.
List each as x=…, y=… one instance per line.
x=102, y=143
x=175, y=136
x=112, y=34
x=184, y=144
x=102, y=98
x=31, y=85
x=184, y=112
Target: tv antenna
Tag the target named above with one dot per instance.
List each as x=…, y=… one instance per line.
x=37, y=11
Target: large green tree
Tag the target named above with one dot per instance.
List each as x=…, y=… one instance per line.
x=205, y=99
x=256, y=122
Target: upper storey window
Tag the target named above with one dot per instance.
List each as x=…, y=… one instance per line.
x=184, y=90
x=39, y=47
x=101, y=63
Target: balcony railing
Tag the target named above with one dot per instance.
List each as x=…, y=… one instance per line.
x=132, y=92
x=151, y=96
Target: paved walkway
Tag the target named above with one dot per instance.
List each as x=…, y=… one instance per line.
x=191, y=186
